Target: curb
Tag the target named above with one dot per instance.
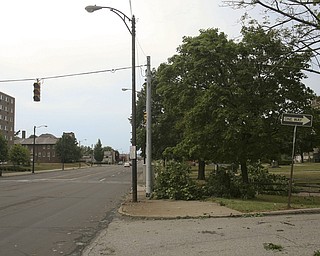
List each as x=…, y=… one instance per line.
x=241, y=215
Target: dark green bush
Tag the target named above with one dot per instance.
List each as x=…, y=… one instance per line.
x=174, y=182
x=226, y=183
x=265, y=182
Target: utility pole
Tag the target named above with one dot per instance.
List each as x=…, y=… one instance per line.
x=149, y=176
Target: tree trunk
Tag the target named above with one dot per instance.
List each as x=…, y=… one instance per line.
x=201, y=170
x=302, y=159
x=244, y=172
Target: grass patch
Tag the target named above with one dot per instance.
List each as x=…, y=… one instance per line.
x=309, y=172
x=52, y=166
x=44, y=166
x=266, y=203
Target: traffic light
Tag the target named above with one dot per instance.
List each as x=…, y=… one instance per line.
x=145, y=117
x=36, y=91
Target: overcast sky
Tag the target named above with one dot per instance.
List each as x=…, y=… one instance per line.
x=51, y=38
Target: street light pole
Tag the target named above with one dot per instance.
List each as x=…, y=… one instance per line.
x=34, y=147
x=133, y=151
x=34, y=144
x=149, y=171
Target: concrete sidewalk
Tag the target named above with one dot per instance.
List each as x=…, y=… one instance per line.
x=172, y=209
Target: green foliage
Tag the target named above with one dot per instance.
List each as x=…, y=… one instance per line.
x=3, y=149
x=272, y=247
x=226, y=183
x=98, y=152
x=316, y=253
x=221, y=100
x=67, y=149
x=174, y=182
x=264, y=182
x=19, y=155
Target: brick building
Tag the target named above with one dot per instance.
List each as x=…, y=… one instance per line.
x=7, y=113
x=44, y=147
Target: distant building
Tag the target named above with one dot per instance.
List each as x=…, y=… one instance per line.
x=109, y=157
x=44, y=147
x=7, y=113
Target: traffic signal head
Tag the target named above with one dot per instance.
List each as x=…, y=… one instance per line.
x=145, y=116
x=36, y=91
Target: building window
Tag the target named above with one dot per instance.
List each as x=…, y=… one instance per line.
x=48, y=154
x=48, y=147
x=39, y=154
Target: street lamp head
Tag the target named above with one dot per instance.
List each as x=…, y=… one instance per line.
x=93, y=8
x=125, y=89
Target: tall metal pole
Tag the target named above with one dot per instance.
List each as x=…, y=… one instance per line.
x=133, y=152
x=149, y=176
x=292, y=164
x=134, y=133
x=34, y=147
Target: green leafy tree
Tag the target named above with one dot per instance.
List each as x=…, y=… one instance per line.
x=19, y=155
x=67, y=149
x=140, y=121
x=225, y=98
x=3, y=149
x=164, y=135
x=98, y=152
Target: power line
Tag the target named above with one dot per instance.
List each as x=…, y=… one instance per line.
x=69, y=75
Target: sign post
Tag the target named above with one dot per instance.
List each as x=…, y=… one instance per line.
x=294, y=120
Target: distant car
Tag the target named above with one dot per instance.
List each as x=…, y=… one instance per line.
x=126, y=164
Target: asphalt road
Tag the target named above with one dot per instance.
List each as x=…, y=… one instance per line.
x=58, y=213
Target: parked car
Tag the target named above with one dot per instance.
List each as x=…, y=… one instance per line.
x=126, y=164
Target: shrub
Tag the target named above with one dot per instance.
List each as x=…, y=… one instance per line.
x=173, y=181
x=225, y=183
x=265, y=182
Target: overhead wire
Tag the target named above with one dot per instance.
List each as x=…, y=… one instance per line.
x=68, y=75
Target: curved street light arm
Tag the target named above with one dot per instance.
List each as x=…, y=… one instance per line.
x=122, y=16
